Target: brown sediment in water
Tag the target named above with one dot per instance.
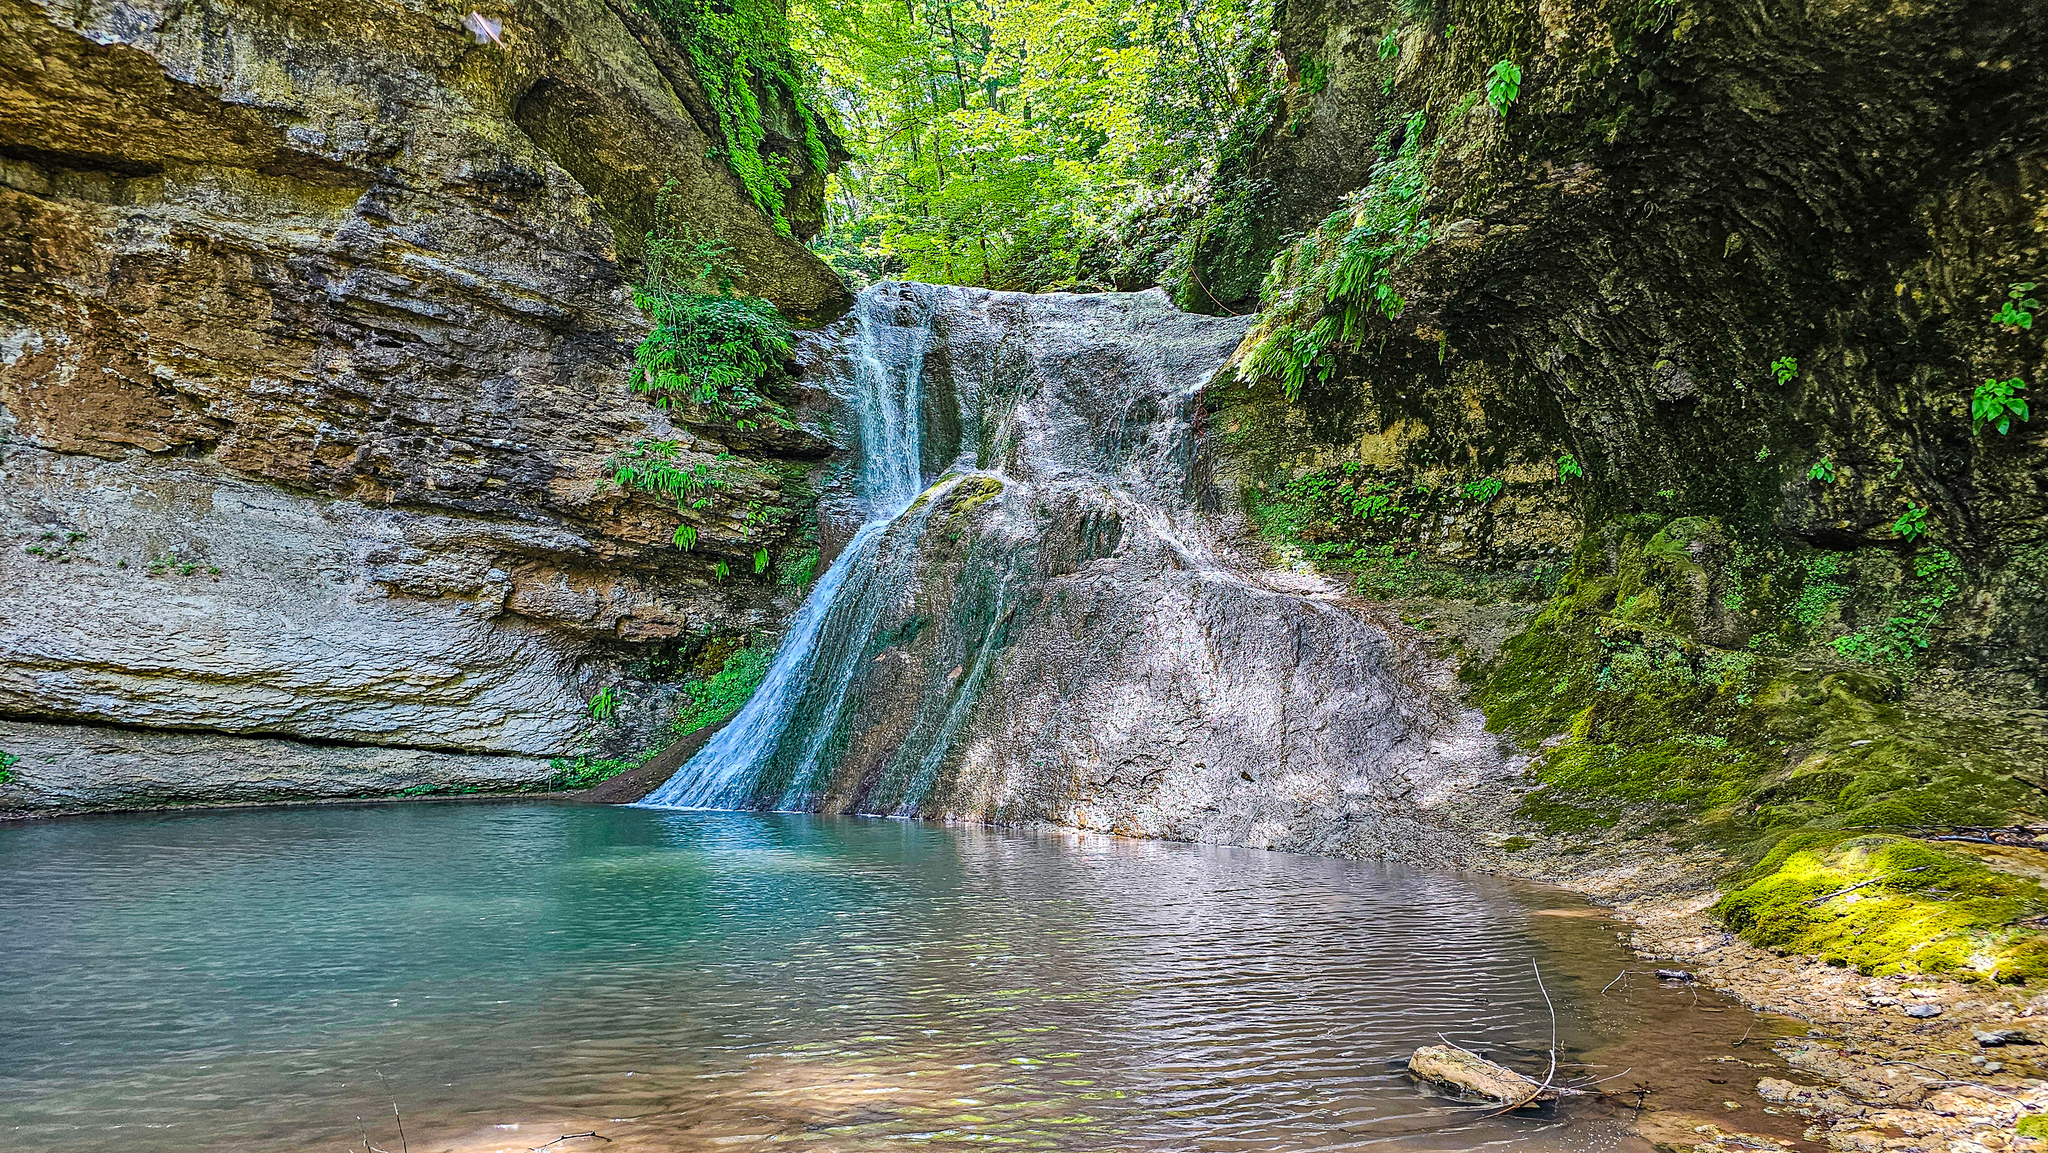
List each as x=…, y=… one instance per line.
x=1841, y=1065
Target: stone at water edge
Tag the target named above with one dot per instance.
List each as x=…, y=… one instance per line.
x=1473, y=1076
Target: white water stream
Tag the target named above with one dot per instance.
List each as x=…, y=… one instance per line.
x=891, y=337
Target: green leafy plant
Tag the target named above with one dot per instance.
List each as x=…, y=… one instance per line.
x=1912, y=524
x=686, y=537
x=1503, y=85
x=736, y=47
x=1823, y=470
x=652, y=466
x=1763, y=454
x=1390, y=45
x=1315, y=74
x=1568, y=467
x=720, y=570
x=709, y=345
x=760, y=561
x=1937, y=583
x=1482, y=490
x=1995, y=403
x=7, y=762
x=800, y=572
x=605, y=705
x=1321, y=290
x=2017, y=310
x=1785, y=368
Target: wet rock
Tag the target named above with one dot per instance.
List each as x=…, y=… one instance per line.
x=1470, y=1076
x=1923, y=1012
x=1994, y=1037
x=1673, y=975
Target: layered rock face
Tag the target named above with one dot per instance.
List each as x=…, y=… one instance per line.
x=314, y=342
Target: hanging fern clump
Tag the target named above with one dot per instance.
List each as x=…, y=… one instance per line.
x=708, y=350
x=710, y=346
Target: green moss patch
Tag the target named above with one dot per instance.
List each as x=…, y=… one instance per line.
x=1803, y=767
x=1885, y=904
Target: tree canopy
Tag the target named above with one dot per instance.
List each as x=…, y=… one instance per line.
x=1025, y=144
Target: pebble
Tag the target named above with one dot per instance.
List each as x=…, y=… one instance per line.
x=1993, y=1037
x=1922, y=1012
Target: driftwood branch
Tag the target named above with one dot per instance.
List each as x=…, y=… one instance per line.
x=574, y=1137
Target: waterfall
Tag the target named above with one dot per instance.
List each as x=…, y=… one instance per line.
x=770, y=753
x=1064, y=626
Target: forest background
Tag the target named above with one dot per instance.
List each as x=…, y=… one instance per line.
x=1028, y=145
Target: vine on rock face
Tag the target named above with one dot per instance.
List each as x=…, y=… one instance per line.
x=736, y=44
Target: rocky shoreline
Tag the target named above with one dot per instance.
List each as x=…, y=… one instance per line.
x=1894, y=1064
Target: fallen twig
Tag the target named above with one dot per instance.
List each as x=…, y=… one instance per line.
x=1824, y=898
x=574, y=1137
x=1553, y=1045
x=403, y=1146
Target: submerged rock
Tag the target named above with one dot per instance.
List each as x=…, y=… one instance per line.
x=1471, y=1076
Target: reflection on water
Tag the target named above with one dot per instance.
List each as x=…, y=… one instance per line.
x=682, y=981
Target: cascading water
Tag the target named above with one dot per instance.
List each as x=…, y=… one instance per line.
x=1047, y=633
x=787, y=721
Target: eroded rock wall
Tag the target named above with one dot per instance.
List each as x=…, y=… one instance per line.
x=314, y=341
x=1651, y=399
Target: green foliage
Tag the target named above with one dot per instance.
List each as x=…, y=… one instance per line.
x=802, y=571
x=7, y=762
x=1315, y=74
x=1912, y=524
x=1008, y=143
x=708, y=347
x=1823, y=471
x=709, y=350
x=1320, y=291
x=685, y=537
x=2017, y=310
x=1390, y=45
x=705, y=701
x=718, y=697
x=1898, y=640
x=651, y=466
x=1785, y=368
x=605, y=705
x=2034, y=1126
x=1995, y=403
x=1503, y=85
x=1568, y=467
x=760, y=561
x=737, y=47
x=1483, y=490
x=720, y=570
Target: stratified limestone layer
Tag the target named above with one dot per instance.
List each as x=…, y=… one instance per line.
x=82, y=767
x=316, y=318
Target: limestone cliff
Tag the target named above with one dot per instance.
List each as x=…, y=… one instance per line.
x=314, y=342
x=1631, y=351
